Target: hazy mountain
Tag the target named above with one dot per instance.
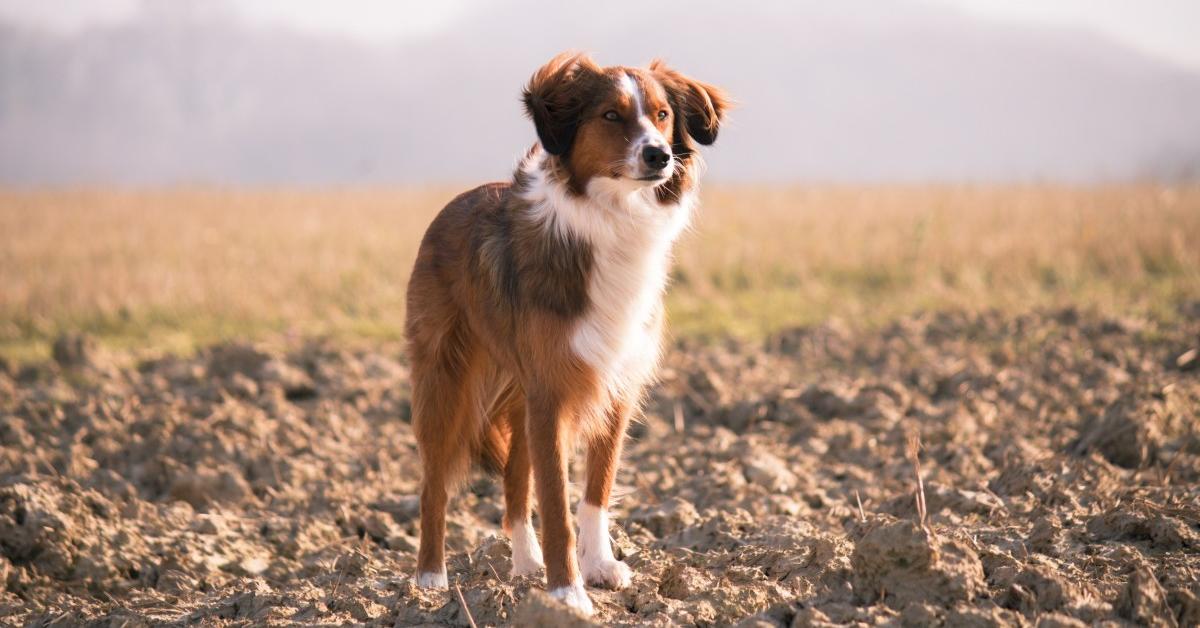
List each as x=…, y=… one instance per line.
x=845, y=91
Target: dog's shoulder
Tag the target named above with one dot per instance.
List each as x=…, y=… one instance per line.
x=482, y=201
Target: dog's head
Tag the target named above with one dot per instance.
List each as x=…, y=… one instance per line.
x=632, y=124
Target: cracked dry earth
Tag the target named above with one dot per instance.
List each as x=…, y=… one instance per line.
x=1059, y=454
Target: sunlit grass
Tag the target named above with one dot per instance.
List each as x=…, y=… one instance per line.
x=169, y=270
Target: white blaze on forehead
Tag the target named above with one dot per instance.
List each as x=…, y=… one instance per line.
x=635, y=93
x=649, y=132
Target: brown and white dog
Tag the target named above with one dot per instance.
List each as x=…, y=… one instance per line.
x=535, y=309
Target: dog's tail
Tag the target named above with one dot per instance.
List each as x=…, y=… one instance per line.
x=507, y=406
x=493, y=450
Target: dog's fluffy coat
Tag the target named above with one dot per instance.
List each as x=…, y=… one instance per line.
x=535, y=308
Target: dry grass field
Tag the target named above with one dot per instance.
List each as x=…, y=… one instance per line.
x=174, y=270
x=920, y=406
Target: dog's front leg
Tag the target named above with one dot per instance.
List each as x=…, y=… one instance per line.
x=600, y=567
x=547, y=429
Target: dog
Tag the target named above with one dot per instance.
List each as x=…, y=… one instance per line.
x=535, y=315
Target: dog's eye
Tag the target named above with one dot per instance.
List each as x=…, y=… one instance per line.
x=662, y=115
x=612, y=116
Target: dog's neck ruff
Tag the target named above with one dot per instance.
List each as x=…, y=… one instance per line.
x=631, y=234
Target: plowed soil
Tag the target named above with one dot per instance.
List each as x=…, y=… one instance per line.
x=777, y=484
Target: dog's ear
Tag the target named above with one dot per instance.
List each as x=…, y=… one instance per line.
x=699, y=107
x=556, y=97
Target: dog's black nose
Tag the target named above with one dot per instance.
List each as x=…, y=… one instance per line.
x=655, y=157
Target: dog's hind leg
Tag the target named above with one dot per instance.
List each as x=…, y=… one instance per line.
x=446, y=423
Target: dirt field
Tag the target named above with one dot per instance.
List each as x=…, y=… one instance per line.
x=774, y=483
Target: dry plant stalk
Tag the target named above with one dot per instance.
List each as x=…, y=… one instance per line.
x=914, y=455
x=463, y=601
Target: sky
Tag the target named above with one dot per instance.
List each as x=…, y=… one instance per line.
x=338, y=92
x=1168, y=29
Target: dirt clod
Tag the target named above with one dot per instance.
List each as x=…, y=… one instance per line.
x=1038, y=589
x=900, y=562
x=74, y=350
x=1126, y=436
x=1143, y=600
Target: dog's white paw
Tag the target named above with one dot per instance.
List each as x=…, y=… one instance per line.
x=596, y=559
x=433, y=580
x=608, y=573
x=526, y=552
x=526, y=564
x=575, y=596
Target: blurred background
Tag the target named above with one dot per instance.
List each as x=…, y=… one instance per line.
x=320, y=92
x=177, y=172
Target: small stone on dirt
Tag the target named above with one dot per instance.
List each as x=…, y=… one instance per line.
x=667, y=518
x=1188, y=360
x=540, y=610
x=768, y=471
x=1058, y=620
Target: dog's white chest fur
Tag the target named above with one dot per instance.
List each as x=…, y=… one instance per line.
x=630, y=265
x=631, y=236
